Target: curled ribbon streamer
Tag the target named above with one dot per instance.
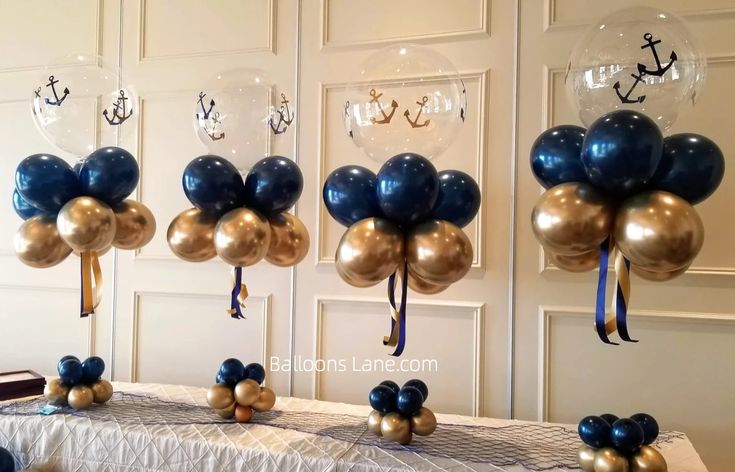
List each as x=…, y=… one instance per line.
x=397, y=336
x=605, y=325
x=91, y=274
x=622, y=295
x=239, y=294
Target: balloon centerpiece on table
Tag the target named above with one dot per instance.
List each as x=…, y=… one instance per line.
x=615, y=444
x=398, y=412
x=238, y=393
x=79, y=383
x=619, y=190
x=405, y=221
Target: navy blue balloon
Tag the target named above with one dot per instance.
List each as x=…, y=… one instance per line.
x=389, y=383
x=649, y=425
x=213, y=184
x=232, y=371
x=556, y=156
x=273, y=185
x=458, y=200
x=92, y=369
x=218, y=379
x=407, y=188
x=409, y=401
x=692, y=167
x=255, y=371
x=70, y=372
x=621, y=151
x=349, y=194
x=24, y=209
x=419, y=384
x=7, y=461
x=58, y=364
x=609, y=417
x=109, y=174
x=594, y=431
x=383, y=399
x=626, y=435
x=47, y=182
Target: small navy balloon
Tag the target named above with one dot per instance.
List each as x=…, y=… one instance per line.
x=273, y=185
x=232, y=371
x=419, y=384
x=383, y=399
x=692, y=167
x=70, y=372
x=47, y=182
x=109, y=174
x=556, y=156
x=349, y=194
x=389, y=383
x=213, y=184
x=458, y=200
x=409, y=400
x=407, y=186
x=58, y=364
x=609, y=417
x=594, y=431
x=22, y=208
x=626, y=435
x=92, y=369
x=649, y=425
x=255, y=371
x=621, y=151
x=7, y=461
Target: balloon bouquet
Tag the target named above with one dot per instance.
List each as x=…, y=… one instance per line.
x=619, y=190
x=240, y=219
x=405, y=221
x=83, y=208
x=79, y=383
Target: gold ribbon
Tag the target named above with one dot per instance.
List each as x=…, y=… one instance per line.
x=91, y=283
x=392, y=339
x=622, y=282
x=397, y=337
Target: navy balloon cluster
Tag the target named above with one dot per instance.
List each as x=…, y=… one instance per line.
x=232, y=371
x=398, y=412
x=79, y=383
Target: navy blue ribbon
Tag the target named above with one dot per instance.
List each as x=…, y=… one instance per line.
x=235, y=311
x=400, y=310
x=601, y=289
x=82, y=311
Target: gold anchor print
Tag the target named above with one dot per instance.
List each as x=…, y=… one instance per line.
x=386, y=118
x=414, y=122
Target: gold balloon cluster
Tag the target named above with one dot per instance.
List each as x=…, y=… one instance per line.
x=608, y=459
x=241, y=401
x=396, y=427
x=79, y=397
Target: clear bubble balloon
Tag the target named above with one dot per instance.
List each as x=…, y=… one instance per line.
x=406, y=98
x=639, y=58
x=73, y=103
x=237, y=113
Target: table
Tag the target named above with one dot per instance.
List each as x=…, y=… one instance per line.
x=63, y=442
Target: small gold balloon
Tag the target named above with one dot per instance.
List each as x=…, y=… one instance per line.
x=242, y=237
x=135, y=225
x=577, y=263
x=572, y=218
x=423, y=422
x=657, y=276
x=191, y=235
x=228, y=412
x=647, y=459
x=243, y=414
x=373, y=422
x=369, y=252
x=102, y=391
x=265, y=401
x=80, y=397
x=608, y=459
x=658, y=231
x=396, y=428
x=56, y=392
x=289, y=240
x=220, y=396
x=247, y=392
x=86, y=224
x=38, y=243
x=438, y=252
x=586, y=458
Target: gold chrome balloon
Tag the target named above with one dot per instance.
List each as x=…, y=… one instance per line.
x=243, y=414
x=577, y=263
x=101, y=391
x=608, y=459
x=135, y=225
x=265, y=401
x=191, y=235
x=438, y=252
x=647, y=459
x=658, y=231
x=56, y=392
x=422, y=286
x=228, y=412
x=38, y=244
x=396, y=428
x=80, y=397
x=289, y=240
x=423, y=422
x=247, y=392
x=369, y=252
x=586, y=458
x=373, y=422
x=242, y=237
x=572, y=218
x=657, y=276
x=86, y=224
x=220, y=396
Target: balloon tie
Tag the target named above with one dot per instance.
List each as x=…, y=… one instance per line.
x=91, y=275
x=617, y=321
x=239, y=294
x=397, y=336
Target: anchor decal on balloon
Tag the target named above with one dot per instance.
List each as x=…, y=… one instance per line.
x=376, y=100
x=643, y=70
x=209, y=126
x=205, y=112
x=415, y=122
x=118, y=118
x=56, y=101
x=285, y=117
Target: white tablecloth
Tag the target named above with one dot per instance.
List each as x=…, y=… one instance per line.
x=72, y=443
